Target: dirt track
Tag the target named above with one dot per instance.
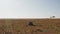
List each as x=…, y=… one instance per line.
x=20, y=26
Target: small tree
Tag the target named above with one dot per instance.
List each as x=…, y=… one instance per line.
x=52, y=17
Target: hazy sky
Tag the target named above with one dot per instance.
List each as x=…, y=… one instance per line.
x=29, y=8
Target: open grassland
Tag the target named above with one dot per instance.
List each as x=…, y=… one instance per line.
x=20, y=26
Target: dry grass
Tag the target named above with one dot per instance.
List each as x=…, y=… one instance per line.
x=20, y=26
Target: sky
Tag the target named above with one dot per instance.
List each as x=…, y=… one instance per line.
x=29, y=8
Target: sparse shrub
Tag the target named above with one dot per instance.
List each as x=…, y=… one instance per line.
x=39, y=30
x=8, y=32
x=31, y=24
